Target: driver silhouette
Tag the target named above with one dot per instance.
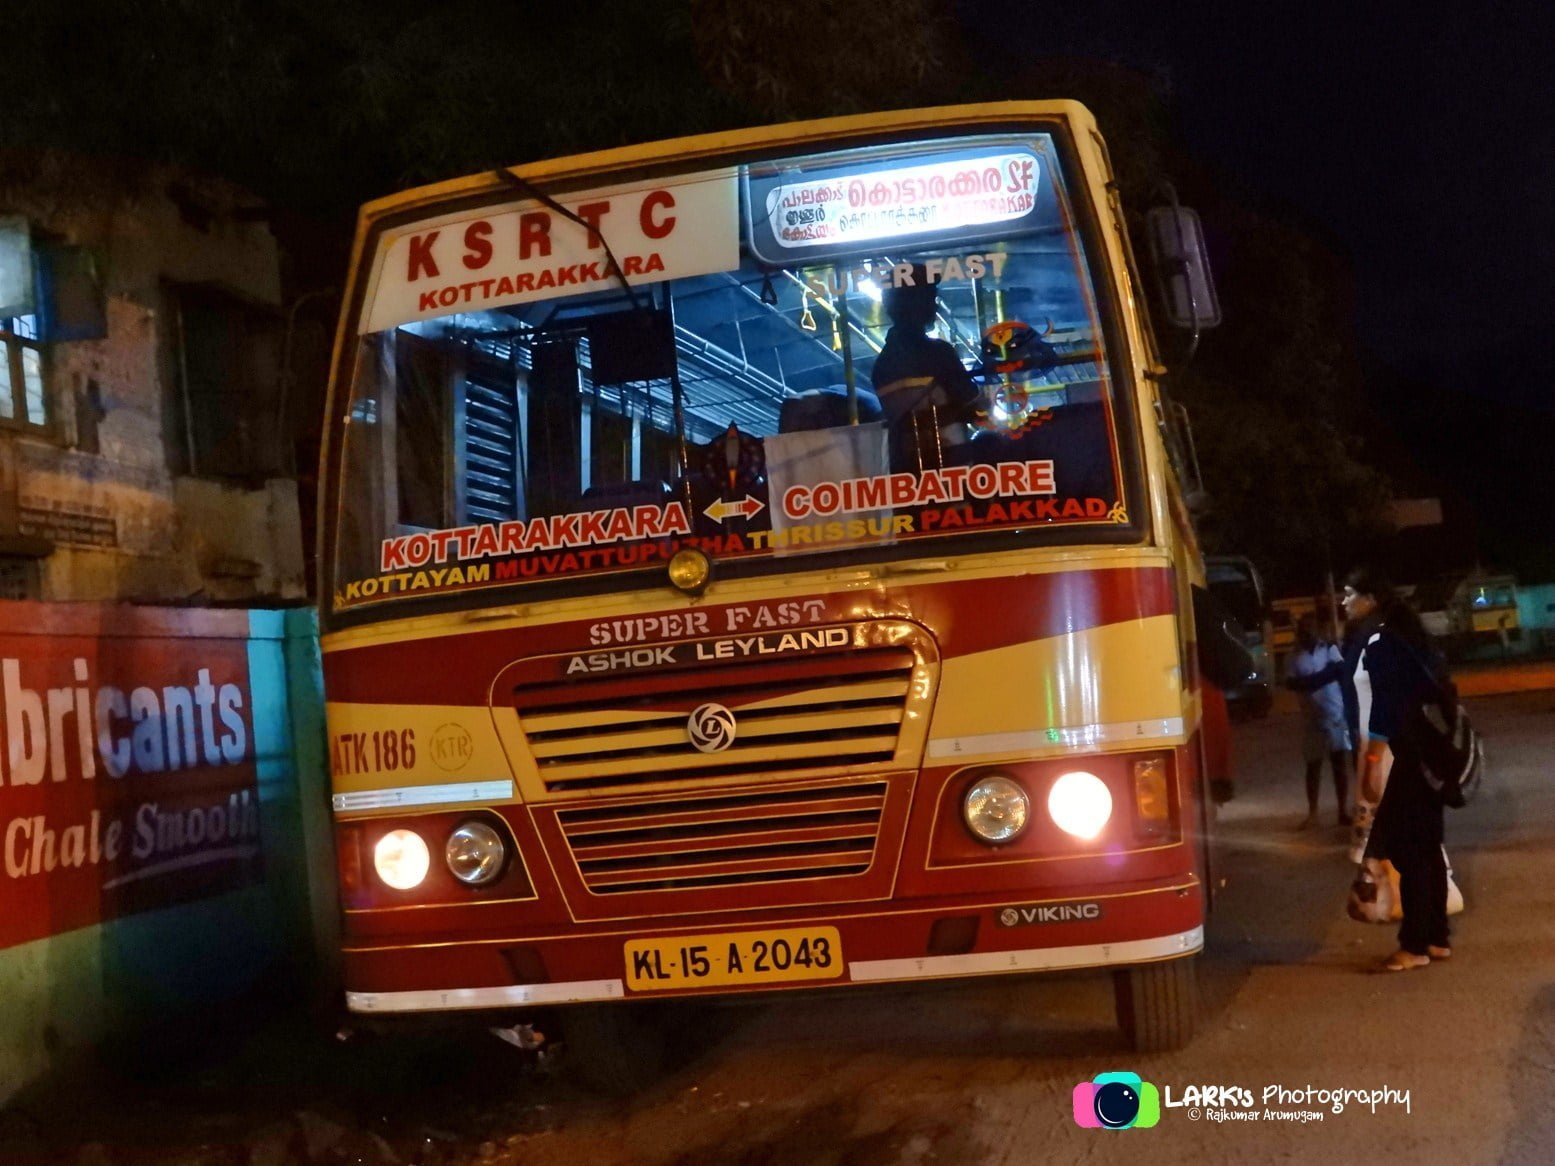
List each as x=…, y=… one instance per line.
x=927, y=395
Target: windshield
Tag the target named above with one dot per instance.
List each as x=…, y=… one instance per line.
x=846, y=355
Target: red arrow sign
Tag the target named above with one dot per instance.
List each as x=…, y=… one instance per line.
x=746, y=507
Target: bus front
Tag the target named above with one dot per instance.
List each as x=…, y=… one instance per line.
x=751, y=563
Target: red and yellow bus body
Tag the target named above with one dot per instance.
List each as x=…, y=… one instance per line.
x=829, y=844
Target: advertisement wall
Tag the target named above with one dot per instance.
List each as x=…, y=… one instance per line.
x=163, y=825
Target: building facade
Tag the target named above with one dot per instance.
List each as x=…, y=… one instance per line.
x=144, y=453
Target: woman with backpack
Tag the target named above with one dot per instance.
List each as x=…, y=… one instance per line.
x=1405, y=673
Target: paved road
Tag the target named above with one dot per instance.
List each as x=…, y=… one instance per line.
x=982, y=1072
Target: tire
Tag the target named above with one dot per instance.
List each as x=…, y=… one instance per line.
x=614, y=1049
x=1158, y=1004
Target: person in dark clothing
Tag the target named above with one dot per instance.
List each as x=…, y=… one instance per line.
x=1405, y=673
x=927, y=394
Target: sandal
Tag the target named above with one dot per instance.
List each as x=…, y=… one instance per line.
x=1439, y=953
x=1405, y=961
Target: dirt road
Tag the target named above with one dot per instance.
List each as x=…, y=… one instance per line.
x=983, y=1071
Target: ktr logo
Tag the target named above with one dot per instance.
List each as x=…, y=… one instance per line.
x=1116, y=1101
x=452, y=747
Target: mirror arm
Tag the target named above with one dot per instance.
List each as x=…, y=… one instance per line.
x=1181, y=267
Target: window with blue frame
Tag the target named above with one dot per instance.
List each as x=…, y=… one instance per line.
x=23, y=400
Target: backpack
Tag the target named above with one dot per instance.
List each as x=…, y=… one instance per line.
x=1452, y=754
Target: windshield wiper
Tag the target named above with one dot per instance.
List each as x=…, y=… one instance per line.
x=524, y=186
x=677, y=392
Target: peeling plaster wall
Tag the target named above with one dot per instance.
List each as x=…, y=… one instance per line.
x=169, y=539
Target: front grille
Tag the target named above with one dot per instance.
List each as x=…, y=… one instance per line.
x=779, y=836
x=824, y=710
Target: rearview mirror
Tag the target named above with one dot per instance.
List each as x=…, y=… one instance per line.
x=1182, y=268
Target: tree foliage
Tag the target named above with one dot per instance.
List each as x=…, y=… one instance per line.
x=318, y=107
x=1276, y=396
x=781, y=62
x=323, y=106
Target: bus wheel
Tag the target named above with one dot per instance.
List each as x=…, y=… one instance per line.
x=614, y=1049
x=1157, y=1004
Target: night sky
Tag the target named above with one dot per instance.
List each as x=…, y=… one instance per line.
x=1415, y=143
x=1419, y=143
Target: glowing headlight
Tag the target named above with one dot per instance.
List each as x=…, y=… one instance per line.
x=1080, y=804
x=475, y=853
x=401, y=859
x=996, y=809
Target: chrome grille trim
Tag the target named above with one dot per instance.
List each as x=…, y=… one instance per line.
x=796, y=715
x=684, y=843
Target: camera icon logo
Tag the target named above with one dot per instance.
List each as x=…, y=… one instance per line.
x=1116, y=1101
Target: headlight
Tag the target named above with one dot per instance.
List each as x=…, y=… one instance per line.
x=996, y=809
x=1080, y=804
x=475, y=853
x=401, y=859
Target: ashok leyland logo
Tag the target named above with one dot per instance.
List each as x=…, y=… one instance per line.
x=1116, y=1101
x=711, y=728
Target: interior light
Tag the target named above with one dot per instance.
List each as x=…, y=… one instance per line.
x=869, y=287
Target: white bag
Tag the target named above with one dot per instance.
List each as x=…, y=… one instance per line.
x=1374, y=896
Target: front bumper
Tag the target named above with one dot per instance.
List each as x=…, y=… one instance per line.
x=1123, y=924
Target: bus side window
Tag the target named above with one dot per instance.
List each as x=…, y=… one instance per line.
x=423, y=376
x=553, y=452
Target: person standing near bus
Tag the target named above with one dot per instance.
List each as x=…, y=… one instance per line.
x=1324, y=731
x=1355, y=691
x=1404, y=672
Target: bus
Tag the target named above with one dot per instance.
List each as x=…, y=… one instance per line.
x=1237, y=585
x=758, y=562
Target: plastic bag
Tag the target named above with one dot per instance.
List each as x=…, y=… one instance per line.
x=1374, y=896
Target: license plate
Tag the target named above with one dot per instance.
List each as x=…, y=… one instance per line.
x=735, y=957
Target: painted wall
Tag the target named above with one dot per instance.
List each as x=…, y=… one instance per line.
x=164, y=826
